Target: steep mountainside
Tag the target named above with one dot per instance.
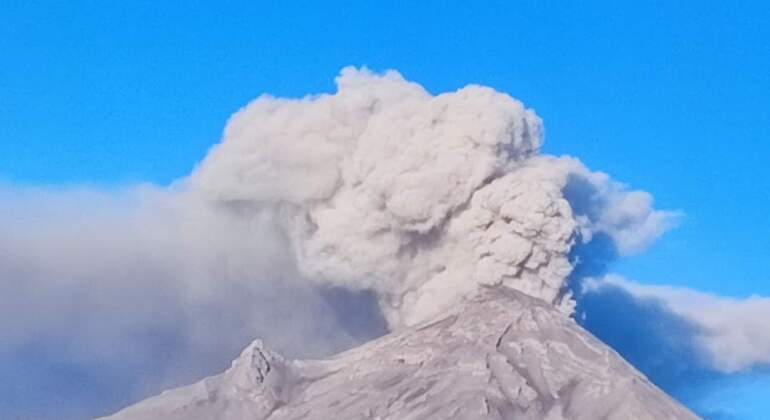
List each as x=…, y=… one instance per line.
x=500, y=355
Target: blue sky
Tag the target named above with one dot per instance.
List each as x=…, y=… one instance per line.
x=672, y=98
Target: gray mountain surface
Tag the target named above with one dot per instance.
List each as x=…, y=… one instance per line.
x=500, y=355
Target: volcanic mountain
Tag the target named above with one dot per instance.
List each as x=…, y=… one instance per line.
x=498, y=355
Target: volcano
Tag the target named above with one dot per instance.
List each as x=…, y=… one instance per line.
x=500, y=354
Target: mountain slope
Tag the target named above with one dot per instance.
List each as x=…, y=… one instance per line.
x=500, y=355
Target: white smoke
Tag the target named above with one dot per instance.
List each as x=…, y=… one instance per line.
x=421, y=198
x=731, y=333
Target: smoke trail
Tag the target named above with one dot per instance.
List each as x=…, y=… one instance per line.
x=729, y=334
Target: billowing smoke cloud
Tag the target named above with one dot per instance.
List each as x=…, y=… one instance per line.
x=420, y=198
x=308, y=218
x=730, y=334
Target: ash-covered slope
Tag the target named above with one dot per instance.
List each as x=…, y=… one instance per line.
x=500, y=355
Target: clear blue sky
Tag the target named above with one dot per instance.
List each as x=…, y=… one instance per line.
x=670, y=97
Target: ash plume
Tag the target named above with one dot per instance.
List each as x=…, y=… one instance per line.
x=382, y=186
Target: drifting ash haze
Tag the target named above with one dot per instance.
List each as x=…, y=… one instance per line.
x=731, y=333
x=442, y=207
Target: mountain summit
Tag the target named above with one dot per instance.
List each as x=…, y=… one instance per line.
x=498, y=355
